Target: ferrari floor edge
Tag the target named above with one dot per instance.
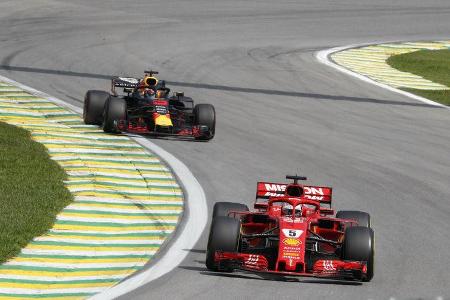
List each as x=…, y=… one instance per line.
x=323, y=56
x=194, y=216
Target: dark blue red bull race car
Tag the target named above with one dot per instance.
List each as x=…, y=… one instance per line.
x=146, y=107
x=292, y=232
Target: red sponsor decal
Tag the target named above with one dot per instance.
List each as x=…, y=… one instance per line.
x=317, y=193
x=160, y=102
x=273, y=187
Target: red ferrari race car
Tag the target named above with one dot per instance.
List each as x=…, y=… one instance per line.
x=145, y=106
x=292, y=231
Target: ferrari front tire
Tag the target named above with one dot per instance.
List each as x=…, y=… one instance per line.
x=359, y=245
x=223, y=236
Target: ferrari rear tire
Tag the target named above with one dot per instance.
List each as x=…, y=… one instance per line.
x=222, y=209
x=94, y=103
x=223, y=236
x=361, y=217
x=205, y=114
x=115, y=111
x=359, y=245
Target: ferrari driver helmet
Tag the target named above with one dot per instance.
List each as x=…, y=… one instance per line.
x=287, y=210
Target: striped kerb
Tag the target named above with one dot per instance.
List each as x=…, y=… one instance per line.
x=126, y=203
x=371, y=62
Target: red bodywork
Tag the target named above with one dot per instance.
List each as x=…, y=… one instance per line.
x=305, y=241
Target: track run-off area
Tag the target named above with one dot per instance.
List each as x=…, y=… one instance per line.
x=279, y=111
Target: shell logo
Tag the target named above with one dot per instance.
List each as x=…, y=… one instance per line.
x=291, y=242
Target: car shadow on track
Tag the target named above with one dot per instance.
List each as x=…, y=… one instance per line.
x=201, y=251
x=224, y=87
x=150, y=136
x=269, y=277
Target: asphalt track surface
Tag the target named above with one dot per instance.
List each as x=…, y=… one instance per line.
x=279, y=111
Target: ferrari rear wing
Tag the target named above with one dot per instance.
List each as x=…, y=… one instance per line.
x=265, y=190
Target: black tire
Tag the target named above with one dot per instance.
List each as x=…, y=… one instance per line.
x=359, y=246
x=221, y=209
x=223, y=236
x=205, y=114
x=94, y=103
x=115, y=110
x=361, y=217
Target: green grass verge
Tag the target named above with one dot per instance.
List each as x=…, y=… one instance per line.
x=433, y=65
x=32, y=190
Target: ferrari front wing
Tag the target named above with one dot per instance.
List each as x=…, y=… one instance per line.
x=329, y=268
